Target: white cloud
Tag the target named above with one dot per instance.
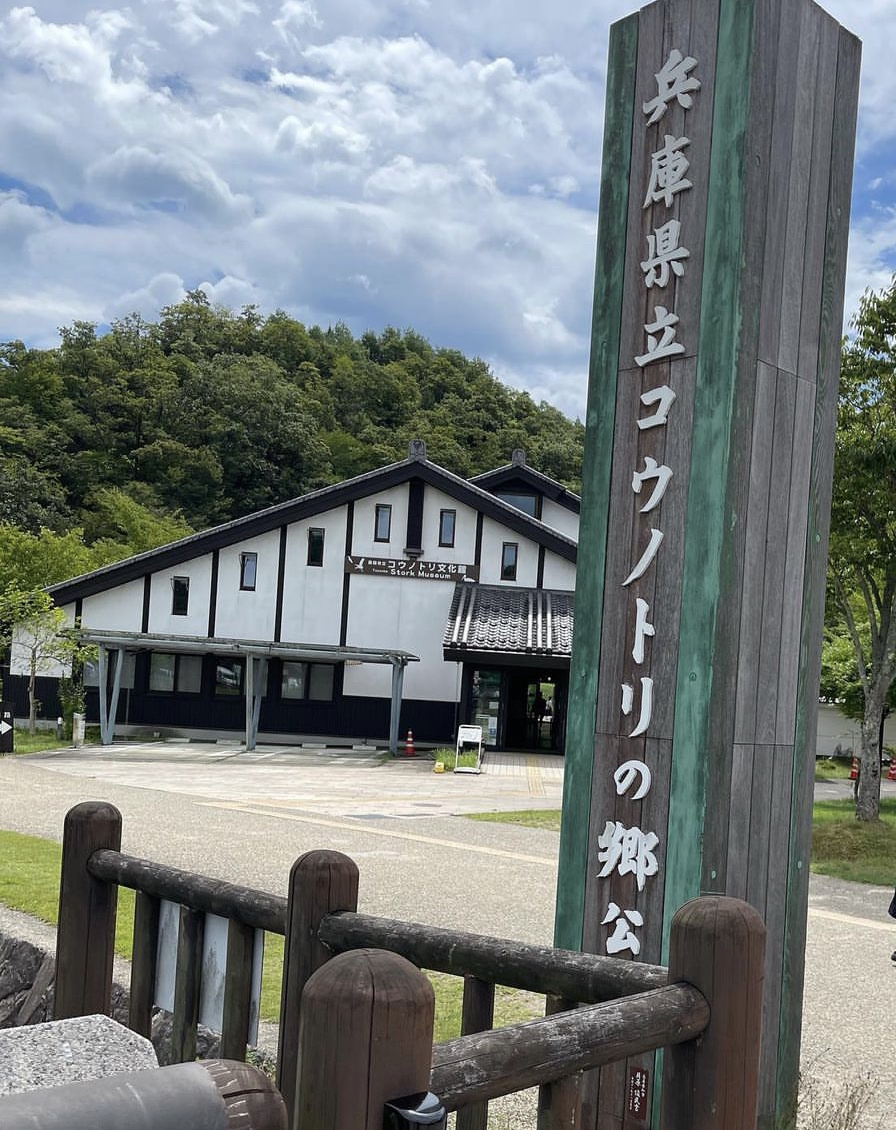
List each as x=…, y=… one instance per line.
x=376, y=161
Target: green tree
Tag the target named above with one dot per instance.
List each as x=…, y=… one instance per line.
x=862, y=570
x=36, y=627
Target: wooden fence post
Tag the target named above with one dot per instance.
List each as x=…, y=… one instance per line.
x=85, y=937
x=365, y=1038
x=717, y=944
x=319, y=883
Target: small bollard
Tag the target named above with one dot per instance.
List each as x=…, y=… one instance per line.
x=60, y=728
x=78, y=730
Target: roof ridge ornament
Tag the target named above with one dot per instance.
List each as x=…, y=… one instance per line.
x=417, y=450
x=518, y=458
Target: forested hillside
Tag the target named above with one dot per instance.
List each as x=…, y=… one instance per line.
x=208, y=415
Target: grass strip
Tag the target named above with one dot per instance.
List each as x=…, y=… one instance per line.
x=29, y=882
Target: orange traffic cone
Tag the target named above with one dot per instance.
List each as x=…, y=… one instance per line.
x=891, y=775
x=854, y=772
x=409, y=750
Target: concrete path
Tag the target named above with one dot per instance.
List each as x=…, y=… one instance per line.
x=245, y=817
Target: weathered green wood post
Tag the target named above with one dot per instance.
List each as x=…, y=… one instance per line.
x=727, y=167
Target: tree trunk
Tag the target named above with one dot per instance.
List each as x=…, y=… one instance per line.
x=868, y=792
x=32, y=701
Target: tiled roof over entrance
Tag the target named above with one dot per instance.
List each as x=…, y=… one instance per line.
x=505, y=620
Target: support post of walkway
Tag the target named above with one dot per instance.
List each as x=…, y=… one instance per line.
x=398, y=666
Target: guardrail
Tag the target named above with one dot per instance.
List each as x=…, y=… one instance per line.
x=606, y=1008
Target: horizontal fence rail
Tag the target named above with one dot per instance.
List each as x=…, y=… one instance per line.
x=258, y=909
x=485, y=1066
x=584, y=977
x=614, y=1009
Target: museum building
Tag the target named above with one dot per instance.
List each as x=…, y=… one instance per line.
x=404, y=599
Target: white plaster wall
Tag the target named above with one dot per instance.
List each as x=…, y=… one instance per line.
x=559, y=518
x=195, y=623
x=244, y=613
x=836, y=730
x=119, y=609
x=408, y=614
x=363, y=543
x=464, y=549
x=20, y=653
x=559, y=573
x=493, y=537
x=312, y=595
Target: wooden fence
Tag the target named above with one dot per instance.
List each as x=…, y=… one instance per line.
x=353, y=1002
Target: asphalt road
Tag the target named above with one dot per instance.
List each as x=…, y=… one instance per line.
x=246, y=817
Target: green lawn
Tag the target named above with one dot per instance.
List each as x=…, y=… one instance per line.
x=29, y=881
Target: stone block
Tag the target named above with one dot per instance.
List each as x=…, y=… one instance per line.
x=69, y=1051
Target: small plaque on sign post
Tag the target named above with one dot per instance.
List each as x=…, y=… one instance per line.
x=7, y=729
x=638, y=1092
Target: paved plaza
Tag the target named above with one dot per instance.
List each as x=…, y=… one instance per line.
x=246, y=816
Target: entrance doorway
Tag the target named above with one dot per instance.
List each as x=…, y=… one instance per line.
x=532, y=710
x=519, y=708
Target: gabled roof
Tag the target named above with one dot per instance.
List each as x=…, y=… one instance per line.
x=487, y=619
x=307, y=506
x=518, y=477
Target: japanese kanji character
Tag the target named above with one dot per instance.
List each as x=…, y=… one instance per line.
x=629, y=772
x=652, y=470
x=658, y=346
x=667, y=172
x=628, y=702
x=663, y=253
x=672, y=81
x=628, y=851
x=656, y=537
x=642, y=630
x=662, y=396
x=623, y=937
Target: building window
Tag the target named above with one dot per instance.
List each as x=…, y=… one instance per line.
x=169, y=674
x=180, y=595
x=509, y=552
x=229, y=676
x=307, y=681
x=248, y=570
x=528, y=503
x=315, y=546
x=161, y=673
x=383, y=522
x=188, y=677
x=447, y=523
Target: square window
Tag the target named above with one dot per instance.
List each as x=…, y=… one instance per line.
x=509, y=552
x=315, y=546
x=161, y=673
x=180, y=595
x=248, y=570
x=293, y=680
x=229, y=676
x=320, y=682
x=189, y=674
x=447, y=523
x=383, y=522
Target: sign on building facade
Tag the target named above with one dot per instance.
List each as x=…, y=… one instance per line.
x=726, y=178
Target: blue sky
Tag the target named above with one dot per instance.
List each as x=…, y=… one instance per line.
x=379, y=162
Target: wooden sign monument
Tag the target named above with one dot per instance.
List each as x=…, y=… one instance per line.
x=727, y=168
